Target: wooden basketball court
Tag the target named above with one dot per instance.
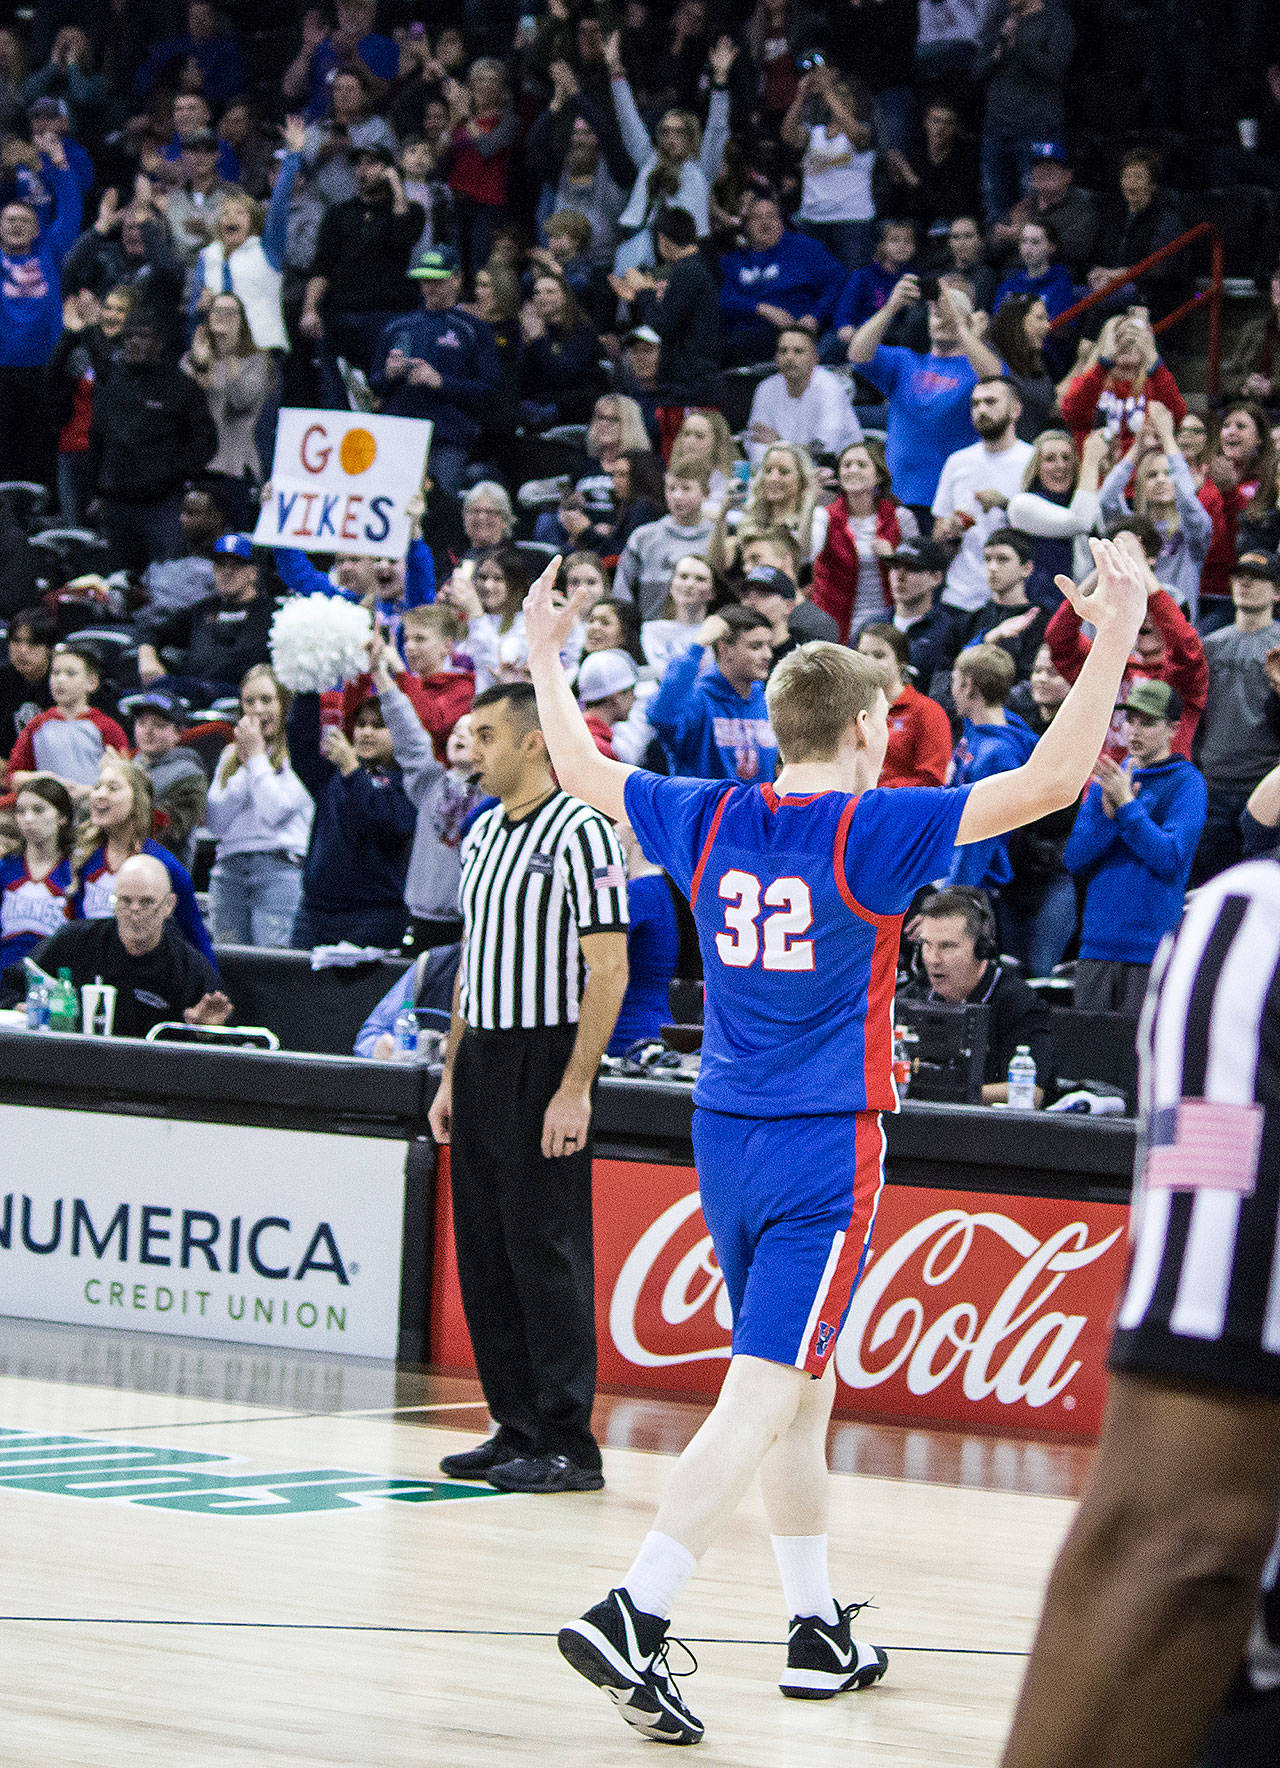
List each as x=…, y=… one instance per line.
x=207, y=1562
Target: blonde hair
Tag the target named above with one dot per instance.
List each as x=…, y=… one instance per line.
x=632, y=433
x=91, y=837
x=989, y=670
x=758, y=514
x=1141, y=473
x=815, y=694
x=1032, y=470
x=692, y=129
x=278, y=748
x=724, y=453
x=437, y=617
x=240, y=199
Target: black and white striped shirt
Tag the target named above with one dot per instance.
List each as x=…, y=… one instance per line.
x=530, y=890
x=1203, y=1291
x=1202, y=1301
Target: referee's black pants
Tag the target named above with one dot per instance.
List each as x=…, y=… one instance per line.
x=522, y=1228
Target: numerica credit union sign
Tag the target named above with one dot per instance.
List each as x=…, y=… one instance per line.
x=219, y=1231
x=974, y=1309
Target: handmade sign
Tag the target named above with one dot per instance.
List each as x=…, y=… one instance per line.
x=341, y=482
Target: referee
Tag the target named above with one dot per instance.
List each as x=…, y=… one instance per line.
x=1153, y=1650
x=542, y=976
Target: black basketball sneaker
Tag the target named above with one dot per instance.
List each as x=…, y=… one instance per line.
x=624, y=1652
x=823, y=1659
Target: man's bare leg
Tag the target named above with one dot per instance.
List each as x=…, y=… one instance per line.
x=793, y=1474
x=619, y=1645
x=758, y=1405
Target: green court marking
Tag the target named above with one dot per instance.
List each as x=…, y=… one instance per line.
x=157, y=1478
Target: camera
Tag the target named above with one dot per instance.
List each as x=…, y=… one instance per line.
x=810, y=60
x=930, y=288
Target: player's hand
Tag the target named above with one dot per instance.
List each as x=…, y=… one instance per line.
x=440, y=1116
x=1119, y=598
x=548, y=621
x=565, y=1125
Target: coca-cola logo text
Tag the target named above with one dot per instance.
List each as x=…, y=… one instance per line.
x=959, y=1298
x=1011, y=1354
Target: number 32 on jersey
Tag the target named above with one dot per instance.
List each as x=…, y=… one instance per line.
x=746, y=938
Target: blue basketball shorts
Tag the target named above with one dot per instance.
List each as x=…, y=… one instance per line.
x=790, y=1203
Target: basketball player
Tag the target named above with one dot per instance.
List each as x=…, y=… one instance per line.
x=798, y=891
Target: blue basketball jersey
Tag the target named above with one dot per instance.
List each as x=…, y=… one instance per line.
x=799, y=905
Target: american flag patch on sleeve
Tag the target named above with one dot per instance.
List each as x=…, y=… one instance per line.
x=609, y=877
x=1202, y=1145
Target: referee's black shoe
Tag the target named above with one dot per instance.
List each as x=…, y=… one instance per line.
x=823, y=1659
x=476, y=1463
x=624, y=1652
x=544, y=1473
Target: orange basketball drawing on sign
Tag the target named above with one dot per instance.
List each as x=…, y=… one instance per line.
x=357, y=451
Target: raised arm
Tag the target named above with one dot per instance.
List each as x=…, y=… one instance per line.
x=1111, y=493
x=870, y=334
x=579, y=765
x=635, y=137
x=275, y=226
x=982, y=358
x=1054, y=774
x=715, y=137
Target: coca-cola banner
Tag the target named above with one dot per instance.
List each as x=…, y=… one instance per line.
x=974, y=1308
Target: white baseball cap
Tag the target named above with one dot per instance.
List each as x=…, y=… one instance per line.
x=603, y=674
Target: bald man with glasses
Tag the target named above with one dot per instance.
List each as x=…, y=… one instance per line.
x=138, y=950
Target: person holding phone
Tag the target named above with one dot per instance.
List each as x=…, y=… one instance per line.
x=928, y=394
x=260, y=812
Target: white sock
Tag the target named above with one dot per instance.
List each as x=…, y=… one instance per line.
x=802, y=1560
x=659, y=1573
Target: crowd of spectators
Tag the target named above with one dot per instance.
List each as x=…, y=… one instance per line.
x=752, y=311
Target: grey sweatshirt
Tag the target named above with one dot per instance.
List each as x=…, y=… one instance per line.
x=443, y=799
x=650, y=557
x=1237, y=744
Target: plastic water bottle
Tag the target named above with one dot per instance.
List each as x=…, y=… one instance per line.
x=405, y=1034
x=37, y=1004
x=902, y=1042
x=1022, y=1080
x=64, y=1009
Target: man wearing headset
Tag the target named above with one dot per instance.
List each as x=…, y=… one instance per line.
x=960, y=960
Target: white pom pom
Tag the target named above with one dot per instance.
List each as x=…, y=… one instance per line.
x=319, y=641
